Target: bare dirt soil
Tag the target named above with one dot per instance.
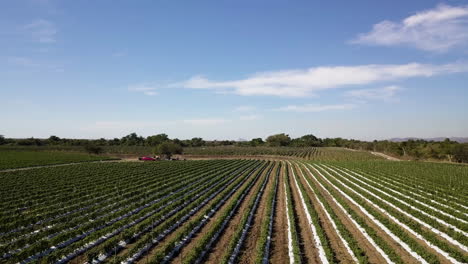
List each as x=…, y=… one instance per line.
x=250, y=245
x=279, y=245
x=385, y=156
x=308, y=250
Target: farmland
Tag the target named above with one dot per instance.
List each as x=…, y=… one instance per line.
x=23, y=158
x=308, y=153
x=317, y=205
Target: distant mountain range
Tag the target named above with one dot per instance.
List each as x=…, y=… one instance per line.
x=458, y=139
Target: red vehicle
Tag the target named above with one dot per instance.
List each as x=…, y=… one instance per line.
x=147, y=158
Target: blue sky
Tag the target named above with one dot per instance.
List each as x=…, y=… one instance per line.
x=234, y=69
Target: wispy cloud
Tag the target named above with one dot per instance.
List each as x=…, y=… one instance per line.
x=250, y=117
x=439, y=29
x=244, y=108
x=386, y=93
x=42, y=31
x=23, y=61
x=35, y=65
x=206, y=122
x=146, y=89
x=315, y=108
x=299, y=83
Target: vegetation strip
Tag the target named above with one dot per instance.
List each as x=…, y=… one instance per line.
x=118, y=245
x=79, y=208
x=422, y=222
x=163, y=231
x=267, y=228
x=360, y=224
x=407, y=204
x=445, y=182
x=338, y=206
x=432, y=240
x=319, y=240
x=440, y=251
x=114, y=220
x=402, y=189
x=293, y=241
x=240, y=236
x=183, y=238
x=81, y=221
x=335, y=222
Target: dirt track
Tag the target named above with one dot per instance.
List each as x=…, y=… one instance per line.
x=385, y=156
x=279, y=249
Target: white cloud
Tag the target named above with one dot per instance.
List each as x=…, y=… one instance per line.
x=206, y=122
x=244, y=108
x=299, y=83
x=35, y=65
x=22, y=61
x=150, y=93
x=315, y=108
x=386, y=93
x=146, y=89
x=42, y=31
x=439, y=29
x=250, y=117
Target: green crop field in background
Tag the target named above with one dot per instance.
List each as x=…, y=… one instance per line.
x=10, y=159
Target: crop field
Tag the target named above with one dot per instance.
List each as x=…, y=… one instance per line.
x=17, y=159
x=236, y=211
x=309, y=153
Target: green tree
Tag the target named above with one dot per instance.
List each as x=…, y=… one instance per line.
x=29, y=142
x=168, y=149
x=307, y=141
x=53, y=140
x=460, y=153
x=101, y=142
x=2, y=140
x=226, y=142
x=133, y=140
x=278, y=140
x=93, y=149
x=197, y=142
x=156, y=139
x=114, y=142
x=448, y=149
x=256, y=142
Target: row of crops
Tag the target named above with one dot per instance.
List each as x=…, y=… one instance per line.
x=370, y=211
x=10, y=159
x=13, y=159
x=310, y=153
x=235, y=211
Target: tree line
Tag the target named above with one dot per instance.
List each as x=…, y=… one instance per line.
x=161, y=143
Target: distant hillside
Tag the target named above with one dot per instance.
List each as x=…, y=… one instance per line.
x=458, y=139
